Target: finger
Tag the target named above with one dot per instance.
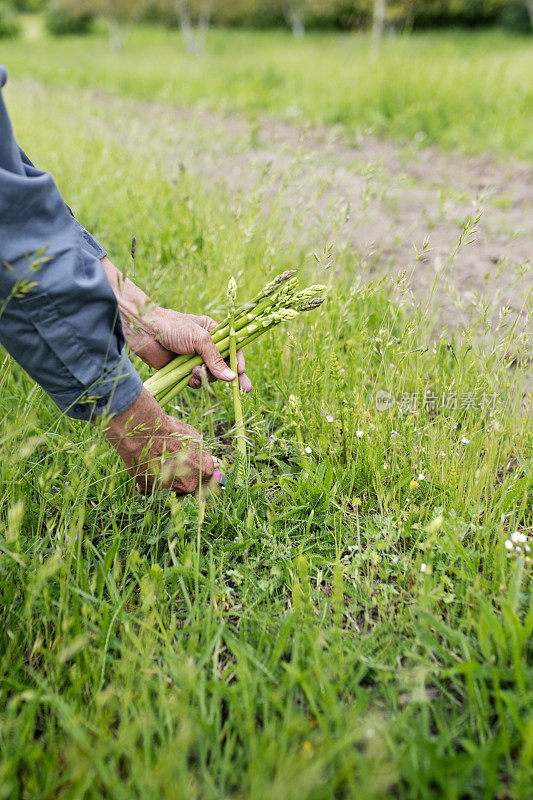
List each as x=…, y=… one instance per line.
x=204, y=322
x=212, y=358
x=199, y=374
x=196, y=377
x=241, y=364
x=245, y=383
x=188, y=484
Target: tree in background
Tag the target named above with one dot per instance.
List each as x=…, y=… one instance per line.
x=120, y=14
x=9, y=21
x=194, y=17
x=66, y=17
x=378, y=25
x=294, y=11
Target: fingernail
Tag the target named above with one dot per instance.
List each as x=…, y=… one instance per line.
x=228, y=374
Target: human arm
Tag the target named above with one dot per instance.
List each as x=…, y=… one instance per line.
x=58, y=315
x=59, y=320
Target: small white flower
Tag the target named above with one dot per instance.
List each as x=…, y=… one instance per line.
x=423, y=567
x=518, y=549
x=359, y=434
x=421, y=477
x=515, y=537
x=308, y=450
x=465, y=440
x=329, y=417
x=508, y=544
x=385, y=466
x=343, y=371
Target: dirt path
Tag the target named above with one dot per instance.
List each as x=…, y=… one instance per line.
x=375, y=196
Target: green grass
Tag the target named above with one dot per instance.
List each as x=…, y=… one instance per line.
x=459, y=90
x=295, y=648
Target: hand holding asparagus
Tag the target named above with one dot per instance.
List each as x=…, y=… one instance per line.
x=277, y=302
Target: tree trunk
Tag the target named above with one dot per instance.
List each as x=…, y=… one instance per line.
x=117, y=35
x=205, y=17
x=182, y=10
x=194, y=38
x=378, y=26
x=295, y=20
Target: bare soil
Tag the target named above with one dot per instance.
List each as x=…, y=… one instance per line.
x=378, y=198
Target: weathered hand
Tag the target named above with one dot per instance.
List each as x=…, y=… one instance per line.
x=158, y=334
x=163, y=333
x=158, y=450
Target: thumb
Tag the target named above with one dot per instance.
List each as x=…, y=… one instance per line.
x=213, y=360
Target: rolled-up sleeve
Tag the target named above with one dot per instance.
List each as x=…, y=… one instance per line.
x=58, y=314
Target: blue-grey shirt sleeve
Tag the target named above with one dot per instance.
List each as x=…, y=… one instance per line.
x=88, y=242
x=58, y=314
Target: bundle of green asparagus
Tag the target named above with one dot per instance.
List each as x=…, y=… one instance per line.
x=277, y=302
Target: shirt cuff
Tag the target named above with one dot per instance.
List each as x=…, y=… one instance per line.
x=113, y=393
x=88, y=242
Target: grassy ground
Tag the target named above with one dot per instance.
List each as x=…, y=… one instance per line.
x=354, y=629
x=458, y=90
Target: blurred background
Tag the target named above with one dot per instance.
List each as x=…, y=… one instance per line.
x=194, y=17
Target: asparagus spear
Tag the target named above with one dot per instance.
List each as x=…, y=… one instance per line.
x=237, y=405
x=276, y=302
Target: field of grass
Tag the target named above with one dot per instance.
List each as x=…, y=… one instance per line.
x=351, y=628
x=472, y=92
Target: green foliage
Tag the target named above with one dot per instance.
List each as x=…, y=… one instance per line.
x=76, y=16
x=9, y=22
x=516, y=17
x=350, y=14
x=460, y=91
x=28, y=6
x=66, y=17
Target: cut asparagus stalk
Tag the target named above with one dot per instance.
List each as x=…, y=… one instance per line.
x=275, y=303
